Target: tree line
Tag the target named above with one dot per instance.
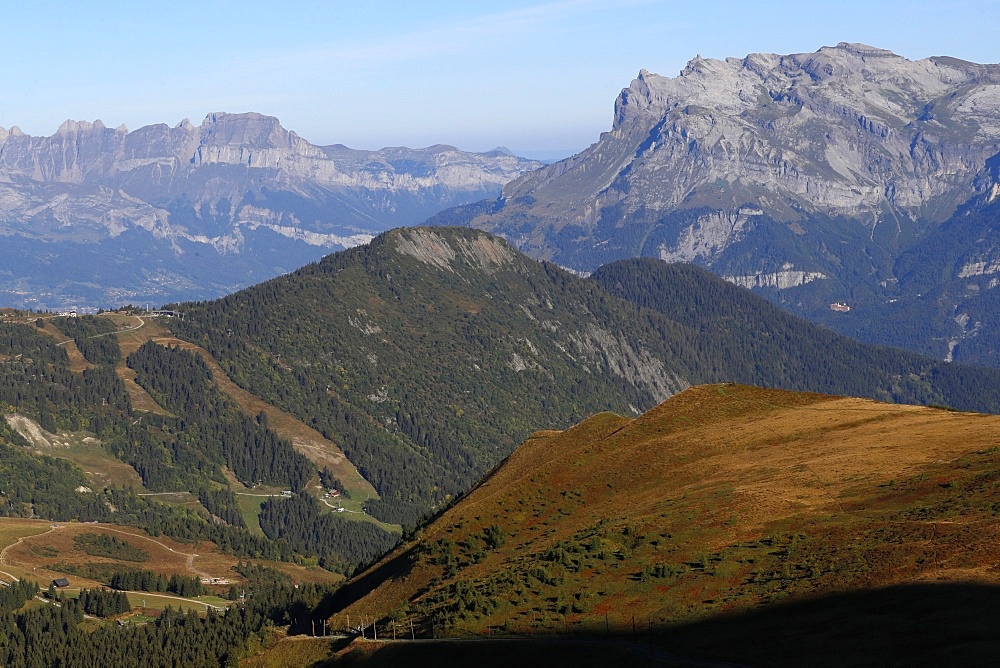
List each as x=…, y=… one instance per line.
x=144, y=580
x=301, y=522
x=52, y=635
x=213, y=426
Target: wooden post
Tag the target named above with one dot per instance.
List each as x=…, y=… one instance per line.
x=374, y=630
x=412, y=637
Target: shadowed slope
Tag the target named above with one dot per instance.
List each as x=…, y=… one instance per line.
x=724, y=497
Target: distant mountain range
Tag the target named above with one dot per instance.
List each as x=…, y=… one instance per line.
x=600, y=437
x=850, y=177
x=99, y=216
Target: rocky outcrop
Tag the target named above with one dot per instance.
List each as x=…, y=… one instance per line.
x=781, y=280
x=483, y=252
x=709, y=235
x=599, y=347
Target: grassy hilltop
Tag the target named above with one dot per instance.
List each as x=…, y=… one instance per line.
x=723, y=499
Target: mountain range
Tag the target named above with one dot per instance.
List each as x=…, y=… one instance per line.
x=613, y=446
x=419, y=361
x=399, y=373
x=850, y=185
x=95, y=216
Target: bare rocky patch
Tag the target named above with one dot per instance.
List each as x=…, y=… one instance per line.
x=483, y=252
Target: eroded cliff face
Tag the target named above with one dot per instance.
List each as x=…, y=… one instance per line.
x=850, y=132
x=226, y=187
x=485, y=253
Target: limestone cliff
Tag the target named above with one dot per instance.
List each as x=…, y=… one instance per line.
x=846, y=176
x=849, y=131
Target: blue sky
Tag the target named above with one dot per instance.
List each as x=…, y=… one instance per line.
x=539, y=77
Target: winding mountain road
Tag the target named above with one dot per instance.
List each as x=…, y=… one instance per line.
x=3, y=552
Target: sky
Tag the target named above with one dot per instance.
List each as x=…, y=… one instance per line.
x=538, y=77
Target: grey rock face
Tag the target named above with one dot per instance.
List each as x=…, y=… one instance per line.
x=849, y=131
x=221, y=188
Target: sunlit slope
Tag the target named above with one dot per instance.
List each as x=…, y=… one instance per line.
x=429, y=354
x=49, y=415
x=723, y=497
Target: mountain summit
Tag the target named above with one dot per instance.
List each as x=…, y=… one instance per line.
x=850, y=130
x=429, y=353
x=195, y=211
x=775, y=171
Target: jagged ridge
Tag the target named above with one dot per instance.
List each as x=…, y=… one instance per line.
x=236, y=184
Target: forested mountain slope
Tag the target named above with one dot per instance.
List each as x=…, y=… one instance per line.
x=429, y=353
x=202, y=447
x=746, y=339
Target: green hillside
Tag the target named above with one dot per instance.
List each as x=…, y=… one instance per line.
x=202, y=442
x=744, y=338
x=426, y=357
x=430, y=353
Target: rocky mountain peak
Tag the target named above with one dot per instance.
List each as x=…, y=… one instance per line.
x=70, y=126
x=859, y=49
x=812, y=176
x=246, y=129
x=646, y=96
x=849, y=130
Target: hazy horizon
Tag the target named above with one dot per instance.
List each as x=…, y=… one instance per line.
x=539, y=78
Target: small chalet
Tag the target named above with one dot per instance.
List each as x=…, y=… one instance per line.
x=60, y=583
